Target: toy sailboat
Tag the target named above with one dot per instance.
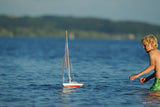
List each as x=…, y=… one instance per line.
x=66, y=63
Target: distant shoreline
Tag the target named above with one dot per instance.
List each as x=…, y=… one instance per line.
x=51, y=26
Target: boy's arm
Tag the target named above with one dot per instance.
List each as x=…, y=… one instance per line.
x=143, y=80
x=150, y=77
x=150, y=67
x=147, y=70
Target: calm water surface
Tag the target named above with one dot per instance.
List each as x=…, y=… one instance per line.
x=30, y=73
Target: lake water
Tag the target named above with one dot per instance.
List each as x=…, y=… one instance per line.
x=30, y=73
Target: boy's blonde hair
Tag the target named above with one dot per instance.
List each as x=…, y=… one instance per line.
x=150, y=39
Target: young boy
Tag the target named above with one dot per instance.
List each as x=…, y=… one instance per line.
x=150, y=45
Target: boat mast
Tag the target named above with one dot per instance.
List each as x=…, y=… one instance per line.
x=67, y=57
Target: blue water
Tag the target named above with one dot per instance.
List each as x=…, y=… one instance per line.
x=30, y=73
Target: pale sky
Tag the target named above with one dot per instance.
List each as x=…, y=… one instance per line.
x=116, y=10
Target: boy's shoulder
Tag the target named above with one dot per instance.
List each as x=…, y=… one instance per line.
x=155, y=52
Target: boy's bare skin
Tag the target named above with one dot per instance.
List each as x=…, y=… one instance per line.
x=154, y=56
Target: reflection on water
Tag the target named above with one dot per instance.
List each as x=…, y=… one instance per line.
x=152, y=98
x=65, y=96
x=68, y=90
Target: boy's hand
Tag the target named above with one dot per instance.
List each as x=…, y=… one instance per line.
x=142, y=80
x=133, y=77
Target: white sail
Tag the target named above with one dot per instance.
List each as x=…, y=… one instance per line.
x=66, y=60
x=63, y=63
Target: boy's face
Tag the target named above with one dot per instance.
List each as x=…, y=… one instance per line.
x=147, y=46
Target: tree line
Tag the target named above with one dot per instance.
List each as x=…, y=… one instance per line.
x=78, y=27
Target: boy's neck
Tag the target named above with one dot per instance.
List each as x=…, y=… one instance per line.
x=152, y=50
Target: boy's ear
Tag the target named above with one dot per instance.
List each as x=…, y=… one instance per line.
x=152, y=44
